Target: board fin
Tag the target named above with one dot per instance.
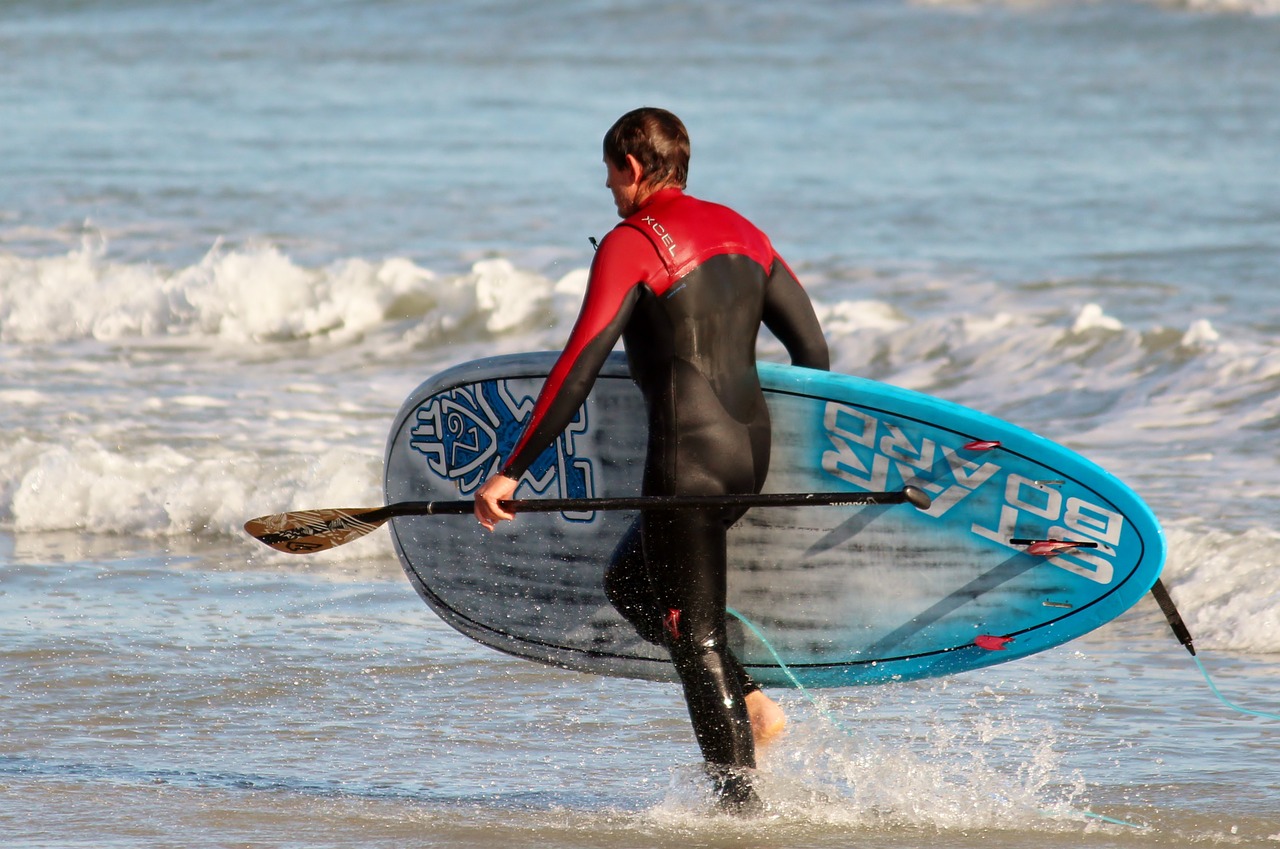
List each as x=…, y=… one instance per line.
x=1050, y=547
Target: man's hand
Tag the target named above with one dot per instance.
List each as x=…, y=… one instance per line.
x=495, y=489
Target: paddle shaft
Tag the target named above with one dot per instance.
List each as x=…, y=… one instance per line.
x=307, y=531
x=656, y=502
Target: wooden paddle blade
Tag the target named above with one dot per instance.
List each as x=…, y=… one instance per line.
x=309, y=531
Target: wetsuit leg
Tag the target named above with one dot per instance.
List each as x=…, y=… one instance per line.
x=674, y=583
x=685, y=553
x=630, y=589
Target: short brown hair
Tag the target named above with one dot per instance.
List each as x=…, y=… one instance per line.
x=658, y=141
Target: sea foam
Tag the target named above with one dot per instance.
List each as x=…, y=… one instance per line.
x=258, y=295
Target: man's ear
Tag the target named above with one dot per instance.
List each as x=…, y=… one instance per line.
x=635, y=170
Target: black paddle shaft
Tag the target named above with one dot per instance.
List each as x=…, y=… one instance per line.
x=308, y=531
x=909, y=495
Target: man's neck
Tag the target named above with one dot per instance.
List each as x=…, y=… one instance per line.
x=649, y=193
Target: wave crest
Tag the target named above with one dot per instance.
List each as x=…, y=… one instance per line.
x=256, y=295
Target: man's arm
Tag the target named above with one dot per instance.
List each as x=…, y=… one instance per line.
x=612, y=291
x=789, y=315
x=611, y=294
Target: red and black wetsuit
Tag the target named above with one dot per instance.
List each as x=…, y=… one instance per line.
x=686, y=284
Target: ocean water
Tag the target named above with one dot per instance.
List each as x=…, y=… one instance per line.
x=234, y=235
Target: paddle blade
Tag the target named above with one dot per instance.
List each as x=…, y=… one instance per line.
x=309, y=531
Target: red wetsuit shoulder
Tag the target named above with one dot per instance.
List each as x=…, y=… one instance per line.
x=685, y=232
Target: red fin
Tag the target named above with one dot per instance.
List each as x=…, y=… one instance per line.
x=982, y=445
x=992, y=643
x=1050, y=547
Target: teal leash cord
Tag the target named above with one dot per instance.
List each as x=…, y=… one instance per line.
x=786, y=670
x=1161, y=594
x=834, y=720
x=1214, y=689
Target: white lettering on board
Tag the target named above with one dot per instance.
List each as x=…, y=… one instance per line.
x=866, y=450
x=847, y=429
x=1096, y=522
x=1024, y=497
x=877, y=455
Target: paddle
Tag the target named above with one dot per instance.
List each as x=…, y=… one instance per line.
x=309, y=531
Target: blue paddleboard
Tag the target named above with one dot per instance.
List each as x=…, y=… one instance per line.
x=1027, y=545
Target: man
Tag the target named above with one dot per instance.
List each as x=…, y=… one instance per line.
x=686, y=284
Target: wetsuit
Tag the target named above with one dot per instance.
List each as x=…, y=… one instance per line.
x=686, y=284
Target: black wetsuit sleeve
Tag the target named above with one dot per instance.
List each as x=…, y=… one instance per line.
x=789, y=315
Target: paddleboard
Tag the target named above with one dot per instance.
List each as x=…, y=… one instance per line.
x=1026, y=546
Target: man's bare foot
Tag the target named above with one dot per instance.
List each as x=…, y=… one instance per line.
x=767, y=719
